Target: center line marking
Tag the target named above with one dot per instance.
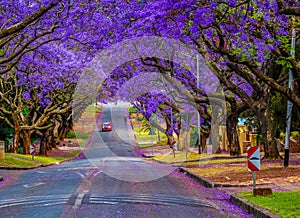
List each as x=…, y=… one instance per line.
x=78, y=201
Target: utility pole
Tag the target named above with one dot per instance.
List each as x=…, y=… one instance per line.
x=199, y=117
x=289, y=103
x=172, y=122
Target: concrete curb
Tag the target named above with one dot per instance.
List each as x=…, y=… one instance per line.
x=39, y=166
x=207, y=183
x=252, y=208
x=201, y=160
x=20, y=168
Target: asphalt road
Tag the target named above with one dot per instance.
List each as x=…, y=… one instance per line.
x=109, y=182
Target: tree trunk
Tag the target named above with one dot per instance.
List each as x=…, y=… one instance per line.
x=169, y=138
x=50, y=138
x=65, y=126
x=43, y=146
x=47, y=141
x=26, y=141
x=268, y=139
x=158, y=135
x=214, y=131
x=16, y=140
x=232, y=135
x=182, y=140
x=204, y=136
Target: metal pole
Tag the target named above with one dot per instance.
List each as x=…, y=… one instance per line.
x=289, y=105
x=172, y=123
x=199, y=117
x=187, y=140
x=152, y=143
x=254, y=179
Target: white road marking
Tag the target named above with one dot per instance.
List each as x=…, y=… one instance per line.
x=95, y=174
x=34, y=184
x=80, y=174
x=35, y=203
x=42, y=172
x=78, y=201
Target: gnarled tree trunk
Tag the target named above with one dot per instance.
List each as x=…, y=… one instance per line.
x=65, y=125
x=17, y=131
x=47, y=141
x=16, y=140
x=232, y=135
x=26, y=140
x=268, y=139
x=231, y=130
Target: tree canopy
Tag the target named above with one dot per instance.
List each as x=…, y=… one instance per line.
x=46, y=46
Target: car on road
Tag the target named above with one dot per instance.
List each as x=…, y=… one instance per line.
x=106, y=126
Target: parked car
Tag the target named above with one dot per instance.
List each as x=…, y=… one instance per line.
x=106, y=127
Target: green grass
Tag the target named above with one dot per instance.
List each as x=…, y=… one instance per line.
x=285, y=204
x=144, y=136
x=92, y=108
x=14, y=160
x=207, y=159
x=76, y=153
x=82, y=142
x=20, y=160
x=178, y=157
x=44, y=160
x=146, y=145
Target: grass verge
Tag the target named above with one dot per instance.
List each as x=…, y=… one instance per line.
x=169, y=158
x=20, y=160
x=285, y=204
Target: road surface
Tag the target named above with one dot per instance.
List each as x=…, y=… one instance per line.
x=109, y=182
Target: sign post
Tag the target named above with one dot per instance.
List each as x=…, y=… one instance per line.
x=32, y=150
x=254, y=162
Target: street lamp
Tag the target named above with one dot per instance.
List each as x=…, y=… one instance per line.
x=151, y=132
x=289, y=104
x=198, y=114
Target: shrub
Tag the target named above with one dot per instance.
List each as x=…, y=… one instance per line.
x=132, y=110
x=282, y=136
x=295, y=135
x=71, y=135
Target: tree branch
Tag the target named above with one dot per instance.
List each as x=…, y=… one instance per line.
x=26, y=21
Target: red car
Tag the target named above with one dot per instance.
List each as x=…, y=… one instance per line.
x=106, y=127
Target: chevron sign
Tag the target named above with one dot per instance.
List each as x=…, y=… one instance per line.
x=254, y=158
x=32, y=149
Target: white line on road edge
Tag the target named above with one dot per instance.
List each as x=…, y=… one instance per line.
x=78, y=201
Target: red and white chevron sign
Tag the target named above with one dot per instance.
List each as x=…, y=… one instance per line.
x=32, y=149
x=254, y=158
